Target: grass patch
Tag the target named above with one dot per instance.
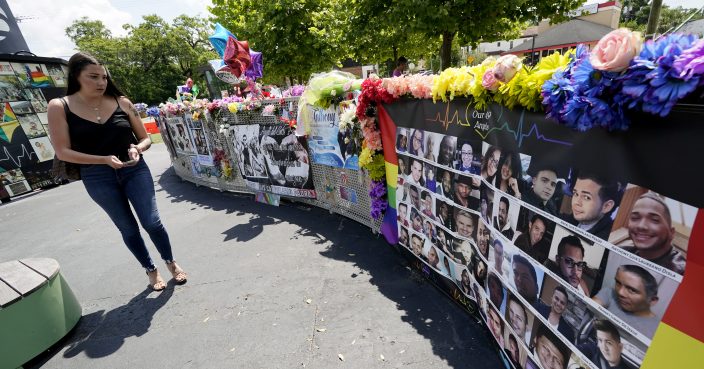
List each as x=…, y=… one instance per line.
x=156, y=138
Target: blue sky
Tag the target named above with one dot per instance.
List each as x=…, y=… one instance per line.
x=45, y=33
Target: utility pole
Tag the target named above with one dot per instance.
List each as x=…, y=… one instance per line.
x=653, y=18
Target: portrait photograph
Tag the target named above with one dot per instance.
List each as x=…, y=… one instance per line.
x=604, y=341
x=432, y=146
x=562, y=308
x=514, y=349
x=635, y=293
x=416, y=143
x=468, y=156
x=591, y=202
x=534, y=234
x=402, y=139
x=654, y=227
x=519, y=318
x=496, y=291
x=576, y=260
x=500, y=256
x=446, y=151
x=505, y=218
x=445, y=186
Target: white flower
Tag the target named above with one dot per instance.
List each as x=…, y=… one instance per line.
x=333, y=92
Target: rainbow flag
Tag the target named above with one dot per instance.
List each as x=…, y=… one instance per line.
x=679, y=340
x=8, y=114
x=387, y=126
x=39, y=79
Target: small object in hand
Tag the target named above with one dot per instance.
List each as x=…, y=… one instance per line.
x=129, y=163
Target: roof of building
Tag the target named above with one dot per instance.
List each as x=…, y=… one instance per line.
x=571, y=32
x=696, y=27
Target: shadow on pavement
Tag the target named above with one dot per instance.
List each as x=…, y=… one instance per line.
x=454, y=334
x=101, y=334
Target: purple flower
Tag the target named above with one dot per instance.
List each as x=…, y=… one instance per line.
x=377, y=189
x=556, y=91
x=690, y=62
x=153, y=112
x=378, y=207
x=652, y=83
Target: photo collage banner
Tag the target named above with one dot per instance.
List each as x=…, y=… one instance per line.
x=271, y=158
x=328, y=144
x=25, y=150
x=571, y=244
x=186, y=137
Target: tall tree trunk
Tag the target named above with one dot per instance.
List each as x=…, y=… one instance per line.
x=446, y=50
x=395, y=52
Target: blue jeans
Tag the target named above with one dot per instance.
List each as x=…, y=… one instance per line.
x=112, y=189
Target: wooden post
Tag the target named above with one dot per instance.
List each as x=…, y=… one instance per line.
x=653, y=19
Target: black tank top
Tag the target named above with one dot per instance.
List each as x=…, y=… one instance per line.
x=110, y=138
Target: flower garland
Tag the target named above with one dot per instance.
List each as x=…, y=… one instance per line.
x=325, y=89
x=583, y=89
x=598, y=88
x=295, y=90
x=372, y=158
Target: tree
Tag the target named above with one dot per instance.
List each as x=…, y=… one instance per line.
x=191, y=34
x=152, y=59
x=473, y=21
x=297, y=37
x=635, y=11
x=670, y=19
x=84, y=29
x=373, y=35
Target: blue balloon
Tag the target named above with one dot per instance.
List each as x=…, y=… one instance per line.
x=219, y=38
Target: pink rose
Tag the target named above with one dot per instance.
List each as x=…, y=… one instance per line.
x=615, y=51
x=489, y=82
x=506, y=67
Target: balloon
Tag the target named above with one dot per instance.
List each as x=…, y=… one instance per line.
x=256, y=69
x=237, y=56
x=219, y=39
x=224, y=74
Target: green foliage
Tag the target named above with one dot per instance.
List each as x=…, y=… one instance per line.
x=635, y=12
x=298, y=37
x=670, y=18
x=468, y=20
x=153, y=58
x=84, y=28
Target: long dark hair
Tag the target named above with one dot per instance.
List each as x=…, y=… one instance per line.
x=76, y=64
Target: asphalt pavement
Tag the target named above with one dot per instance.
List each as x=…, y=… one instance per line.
x=269, y=287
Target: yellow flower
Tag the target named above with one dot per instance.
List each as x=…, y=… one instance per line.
x=232, y=107
x=365, y=157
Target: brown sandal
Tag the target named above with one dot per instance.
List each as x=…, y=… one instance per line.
x=180, y=277
x=156, y=283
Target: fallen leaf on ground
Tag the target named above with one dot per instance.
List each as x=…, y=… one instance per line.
x=206, y=319
x=342, y=358
x=308, y=301
x=382, y=357
x=321, y=329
